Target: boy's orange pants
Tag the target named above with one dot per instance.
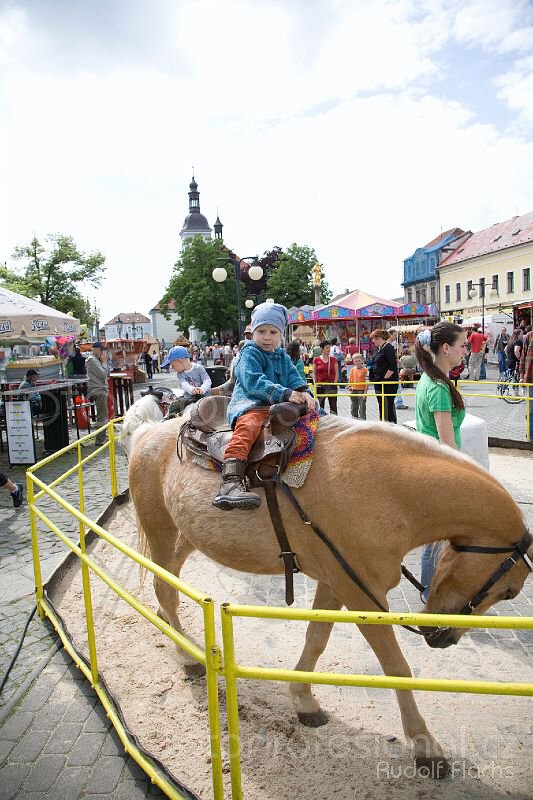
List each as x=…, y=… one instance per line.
x=247, y=429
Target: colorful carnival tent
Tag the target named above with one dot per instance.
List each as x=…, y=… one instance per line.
x=356, y=315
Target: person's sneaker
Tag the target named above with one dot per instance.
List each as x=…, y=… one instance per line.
x=18, y=495
x=402, y=408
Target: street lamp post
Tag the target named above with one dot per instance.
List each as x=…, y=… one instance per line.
x=493, y=293
x=255, y=273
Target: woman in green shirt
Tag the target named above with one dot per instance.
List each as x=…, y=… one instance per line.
x=440, y=409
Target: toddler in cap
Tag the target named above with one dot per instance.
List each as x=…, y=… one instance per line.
x=193, y=379
x=264, y=375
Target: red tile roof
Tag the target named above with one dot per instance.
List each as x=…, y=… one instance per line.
x=455, y=231
x=128, y=318
x=500, y=236
x=171, y=306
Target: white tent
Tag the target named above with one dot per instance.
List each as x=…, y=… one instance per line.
x=21, y=316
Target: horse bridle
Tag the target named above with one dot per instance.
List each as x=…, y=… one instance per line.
x=518, y=551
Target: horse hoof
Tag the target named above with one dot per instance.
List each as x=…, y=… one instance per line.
x=436, y=768
x=315, y=719
x=195, y=670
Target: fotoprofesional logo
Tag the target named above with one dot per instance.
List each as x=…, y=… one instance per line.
x=6, y=326
x=40, y=325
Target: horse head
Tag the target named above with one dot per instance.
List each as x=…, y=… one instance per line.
x=472, y=578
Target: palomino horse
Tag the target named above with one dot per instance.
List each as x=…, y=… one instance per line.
x=176, y=517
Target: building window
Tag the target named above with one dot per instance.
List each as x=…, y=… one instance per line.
x=447, y=294
x=496, y=282
x=457, y=291
x=432, y=294
x=409, y=295
x=526, y=279
x=510, y=282
x=469, y=287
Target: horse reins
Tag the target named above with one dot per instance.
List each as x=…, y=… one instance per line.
x=518, y=551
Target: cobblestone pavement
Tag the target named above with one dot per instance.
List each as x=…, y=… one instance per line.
x=55, y=742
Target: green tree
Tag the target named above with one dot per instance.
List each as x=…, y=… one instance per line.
x=52, y=273
x=291, y=279
x=199, y=299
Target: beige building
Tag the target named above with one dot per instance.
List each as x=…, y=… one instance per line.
x=496, y=264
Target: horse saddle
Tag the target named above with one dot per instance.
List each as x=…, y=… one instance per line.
x=208, y=432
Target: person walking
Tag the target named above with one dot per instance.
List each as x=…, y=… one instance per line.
x=501, y=342
x=98, y=387
x=326, y=376
x=16, y=490
x=477, y=344
x=385, y=368
x=526, y=376
x=440, y=409
x=155, y=362
x=147, y=358
x=228, y=355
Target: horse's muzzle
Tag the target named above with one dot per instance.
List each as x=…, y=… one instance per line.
x=440, y=637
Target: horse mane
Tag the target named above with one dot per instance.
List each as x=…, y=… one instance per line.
x=343, y=426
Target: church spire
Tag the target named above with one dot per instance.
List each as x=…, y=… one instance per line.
x=218, y=227
x=194, y=197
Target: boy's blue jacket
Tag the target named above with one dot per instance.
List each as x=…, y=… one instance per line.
x=261, y=379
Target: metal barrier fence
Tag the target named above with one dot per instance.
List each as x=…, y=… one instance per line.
x=218, y=661
x=209, y=656
x=510, y=387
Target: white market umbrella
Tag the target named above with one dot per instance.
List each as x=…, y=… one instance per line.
x=21, y=316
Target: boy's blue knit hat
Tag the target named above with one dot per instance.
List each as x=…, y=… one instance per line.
x=174, y=353
x=270, y=314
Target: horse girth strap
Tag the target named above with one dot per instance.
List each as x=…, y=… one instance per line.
x=333, y=550
x=290, y=563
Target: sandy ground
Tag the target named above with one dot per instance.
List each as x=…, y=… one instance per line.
x=361, y=753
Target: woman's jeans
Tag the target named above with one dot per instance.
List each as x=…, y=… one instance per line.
x=502, y=362
x=428, y=565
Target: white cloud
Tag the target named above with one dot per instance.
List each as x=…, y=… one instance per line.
x=308, y=122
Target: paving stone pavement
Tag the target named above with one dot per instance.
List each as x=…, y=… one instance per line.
x=55, y=740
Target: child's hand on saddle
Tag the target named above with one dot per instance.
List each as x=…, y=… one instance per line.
x=303, y=397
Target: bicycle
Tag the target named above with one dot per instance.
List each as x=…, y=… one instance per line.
x=509, y=387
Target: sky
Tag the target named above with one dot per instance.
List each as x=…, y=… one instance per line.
x=359, y=127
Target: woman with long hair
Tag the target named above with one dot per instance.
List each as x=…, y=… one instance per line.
x=440, y=409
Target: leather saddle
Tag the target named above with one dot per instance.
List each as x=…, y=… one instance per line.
x=208, y=433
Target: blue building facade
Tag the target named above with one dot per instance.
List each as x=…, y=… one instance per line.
x=420, y=270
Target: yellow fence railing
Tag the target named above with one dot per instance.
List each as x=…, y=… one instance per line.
x=209, y=655
x=342, y=390
x=219, y=661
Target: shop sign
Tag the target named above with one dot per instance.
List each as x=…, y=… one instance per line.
x=38, y=325
x=6, y=326
x=20, y=432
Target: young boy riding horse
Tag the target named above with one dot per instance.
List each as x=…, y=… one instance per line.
x=264, y=375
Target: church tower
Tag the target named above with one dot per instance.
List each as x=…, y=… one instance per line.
x=218, y=228
x=195, y=224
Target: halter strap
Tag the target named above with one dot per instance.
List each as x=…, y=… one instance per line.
x=520, y=551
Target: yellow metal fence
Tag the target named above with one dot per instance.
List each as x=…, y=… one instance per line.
x=220, y=661
x=526, y=388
